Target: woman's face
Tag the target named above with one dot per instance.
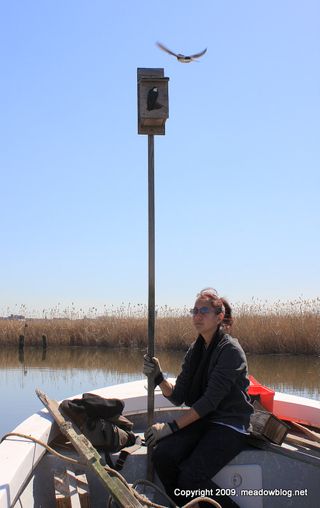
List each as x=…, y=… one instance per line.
x=206, y=321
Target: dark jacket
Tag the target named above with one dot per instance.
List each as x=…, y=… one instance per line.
x=224, y=397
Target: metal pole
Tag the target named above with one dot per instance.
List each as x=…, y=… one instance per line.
x=151, y=288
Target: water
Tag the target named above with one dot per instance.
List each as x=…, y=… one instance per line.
x=62, y=372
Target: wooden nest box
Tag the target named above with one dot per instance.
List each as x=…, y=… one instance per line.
x=153, y=103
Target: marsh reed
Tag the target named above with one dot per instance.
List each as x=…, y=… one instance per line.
x=291, y=327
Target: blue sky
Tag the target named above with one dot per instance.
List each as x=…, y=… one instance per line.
x=237, y=173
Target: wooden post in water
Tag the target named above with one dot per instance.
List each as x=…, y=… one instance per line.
x=21, y=342
x=153, y=110
x=44, y=347
x=21, y=349
x=44, y=342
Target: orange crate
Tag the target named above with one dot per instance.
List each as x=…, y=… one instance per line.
x=261, y=393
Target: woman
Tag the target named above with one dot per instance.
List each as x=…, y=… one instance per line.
x=213, y=382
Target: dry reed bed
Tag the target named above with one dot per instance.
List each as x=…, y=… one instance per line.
x=289, y=327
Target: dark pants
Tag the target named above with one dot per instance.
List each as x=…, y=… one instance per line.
x=189, y=458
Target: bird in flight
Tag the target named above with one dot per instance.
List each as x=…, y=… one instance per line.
x=182, y=58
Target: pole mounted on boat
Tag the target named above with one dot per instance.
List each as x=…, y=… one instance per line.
x=153, y=111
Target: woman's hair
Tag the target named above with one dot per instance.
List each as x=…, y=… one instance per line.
x=219, y=304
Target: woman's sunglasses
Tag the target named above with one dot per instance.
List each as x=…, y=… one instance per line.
x=201, y=310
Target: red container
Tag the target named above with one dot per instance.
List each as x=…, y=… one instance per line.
x=261, y=393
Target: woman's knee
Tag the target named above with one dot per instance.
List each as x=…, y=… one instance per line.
x=191, y=478
x=163, y=455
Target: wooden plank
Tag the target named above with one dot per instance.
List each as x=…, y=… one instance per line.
x=315, y=436
x=73, y=489
x=68, y=493
x=89, y=455
x=301, y=441
x=61, y=490
x=83, y=491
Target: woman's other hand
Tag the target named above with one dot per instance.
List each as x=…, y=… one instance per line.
x=156, y=432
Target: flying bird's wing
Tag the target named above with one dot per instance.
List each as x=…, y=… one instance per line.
x=161, y=46
x=197, y=55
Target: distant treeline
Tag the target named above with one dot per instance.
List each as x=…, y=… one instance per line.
x=13, y=317
x=293, y=328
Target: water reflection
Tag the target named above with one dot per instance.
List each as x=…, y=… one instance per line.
x=293, y=374
x=62, y=372
x=282, y=372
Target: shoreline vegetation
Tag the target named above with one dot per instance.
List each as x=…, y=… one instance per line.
x=291, y=327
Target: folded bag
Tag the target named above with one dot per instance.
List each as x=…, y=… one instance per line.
x=101, y=421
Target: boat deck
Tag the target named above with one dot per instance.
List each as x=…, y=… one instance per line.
x=282, y=471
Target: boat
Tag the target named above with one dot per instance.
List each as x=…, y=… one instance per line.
x=264, y=475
